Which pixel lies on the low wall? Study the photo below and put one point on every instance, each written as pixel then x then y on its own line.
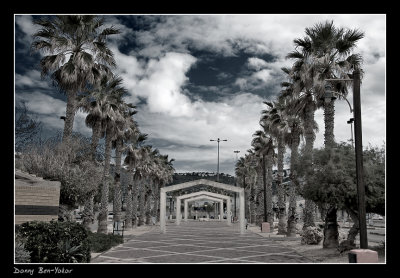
pixel 35 198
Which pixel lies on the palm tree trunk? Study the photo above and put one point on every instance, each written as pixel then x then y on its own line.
pixel 148 214
pixel 292 214
pixel 157 202
pixel 135 196
pixel 129 208
pixel 264 180
pixel 331 232
pixel 252 205
pixel 70 114
pixel 88 214
pixel 106 179
pixel 142 192
pixel 329 120
pixel 96 134
pixel 353 232
pixel 270 213
pixel 117 183
pixel 309 206
pixel 281 190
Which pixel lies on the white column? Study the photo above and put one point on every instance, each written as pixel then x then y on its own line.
pixel 221 210
pixel 178 211
pixel 186 210
pixel 241 213
pixel 163 204
pixel 228 211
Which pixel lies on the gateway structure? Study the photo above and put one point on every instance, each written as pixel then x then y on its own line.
pixel 176 187
pixel 202 197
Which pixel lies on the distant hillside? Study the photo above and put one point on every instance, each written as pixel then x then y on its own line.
pixel 185 177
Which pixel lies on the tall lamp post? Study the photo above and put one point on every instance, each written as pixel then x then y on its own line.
pixel 358 151
pixel 218 140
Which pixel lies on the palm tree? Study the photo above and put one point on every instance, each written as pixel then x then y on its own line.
pixel 328 49
pixel 274 121
pixel 93 120
pixel 123 133
pixel 305 102
pixel 264 150
pixel 133 158
pixel 295 125
pixel 331 49
pixel 79 39
pixel 245 170
pixel 165 176
pixel 109 97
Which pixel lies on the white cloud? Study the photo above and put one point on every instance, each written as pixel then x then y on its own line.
pixel 256 63
pixel 170 115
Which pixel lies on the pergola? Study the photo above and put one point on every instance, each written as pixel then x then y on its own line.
pixel 210 194
pixel 189 184
pixel 202 197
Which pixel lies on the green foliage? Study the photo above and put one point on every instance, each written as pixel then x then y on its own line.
pixel 103 242
pixel 185 177
pixel 333 178
pixel 68 162
pixel 311 235
pixel 55 242
pixel 21 254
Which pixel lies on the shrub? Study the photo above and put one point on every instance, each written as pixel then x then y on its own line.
pixel 311 235
pixel 21 254
pixel 102 242
pixel 55 242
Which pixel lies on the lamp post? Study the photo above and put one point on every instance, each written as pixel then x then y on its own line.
pixel 218 140
pixel 358 151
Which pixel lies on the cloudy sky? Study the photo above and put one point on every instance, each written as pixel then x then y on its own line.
pixel 199 77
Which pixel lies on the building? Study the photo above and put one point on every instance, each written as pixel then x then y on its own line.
pixel 35 198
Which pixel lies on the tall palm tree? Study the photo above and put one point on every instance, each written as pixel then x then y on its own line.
pixel 93 120
pixel 305 102
pixel 164 177
pixel 134 154
pixel 329 48
pixel 76 55
pixel 264 149
pixel 109 97
pixel 124 131
pixel 295 124
pixel 274 121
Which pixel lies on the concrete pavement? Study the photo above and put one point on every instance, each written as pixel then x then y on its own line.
pixel 200 243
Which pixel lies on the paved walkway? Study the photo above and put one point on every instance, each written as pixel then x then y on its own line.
pixel 200 242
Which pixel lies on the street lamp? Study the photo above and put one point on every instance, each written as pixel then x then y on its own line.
pixel 328 96
pixel 351 129
pixel 218 140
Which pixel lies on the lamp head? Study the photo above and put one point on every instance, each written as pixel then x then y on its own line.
pixel 328 94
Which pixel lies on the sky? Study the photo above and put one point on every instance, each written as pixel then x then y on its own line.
pixel 196 77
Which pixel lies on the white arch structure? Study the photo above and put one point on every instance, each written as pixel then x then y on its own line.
pixel 202 197
pixel 211 194
pixel 180 186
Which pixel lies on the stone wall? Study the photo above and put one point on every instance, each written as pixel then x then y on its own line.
pixel 35 198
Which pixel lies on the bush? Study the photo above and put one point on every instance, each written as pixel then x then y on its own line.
pixel 55 242
pixel 21 254
pixel 102 242
pixel 311 235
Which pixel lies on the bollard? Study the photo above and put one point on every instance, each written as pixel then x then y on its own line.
pixel 265 227
pixel 363 256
